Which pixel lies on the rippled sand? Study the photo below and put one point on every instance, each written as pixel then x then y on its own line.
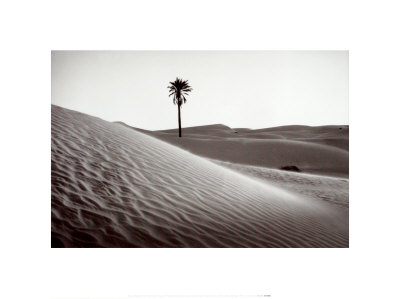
pixel 113 186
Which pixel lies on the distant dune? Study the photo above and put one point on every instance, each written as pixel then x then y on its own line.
pixel 319 150
pixel 116 186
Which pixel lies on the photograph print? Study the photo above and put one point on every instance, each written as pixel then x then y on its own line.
pixel 200 149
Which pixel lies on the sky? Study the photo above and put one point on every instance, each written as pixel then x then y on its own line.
pixel 240 89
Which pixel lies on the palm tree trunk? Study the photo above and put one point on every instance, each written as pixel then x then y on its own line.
pixel 179 119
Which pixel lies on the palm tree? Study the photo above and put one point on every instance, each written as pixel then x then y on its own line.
pixel 179 89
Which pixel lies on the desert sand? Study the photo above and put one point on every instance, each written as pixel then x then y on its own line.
pixel 118 186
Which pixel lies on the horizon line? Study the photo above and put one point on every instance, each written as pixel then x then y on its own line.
pixel 206 125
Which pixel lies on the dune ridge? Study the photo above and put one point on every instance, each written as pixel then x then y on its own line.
pixel 113 186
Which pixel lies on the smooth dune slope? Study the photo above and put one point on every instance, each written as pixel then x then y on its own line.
pixel 317 187
pixel 113 186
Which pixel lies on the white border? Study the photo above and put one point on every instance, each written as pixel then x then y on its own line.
pixel 31 29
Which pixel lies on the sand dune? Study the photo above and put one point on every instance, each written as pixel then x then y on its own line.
pixel 318 150
pixel 330 189
pixel 113 186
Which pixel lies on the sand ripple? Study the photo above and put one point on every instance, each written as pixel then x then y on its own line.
pixel 116 187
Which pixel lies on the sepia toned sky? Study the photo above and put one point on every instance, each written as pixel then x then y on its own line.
pixel 251 89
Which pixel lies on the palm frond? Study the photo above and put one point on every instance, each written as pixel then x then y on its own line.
pixel 179 89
